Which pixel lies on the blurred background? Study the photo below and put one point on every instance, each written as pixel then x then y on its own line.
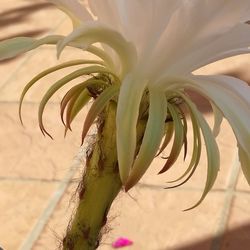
pixel 39 176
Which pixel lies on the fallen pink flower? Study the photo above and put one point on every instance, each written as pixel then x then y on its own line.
pixel 122 242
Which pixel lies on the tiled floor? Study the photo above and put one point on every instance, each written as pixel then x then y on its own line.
pixel 38 177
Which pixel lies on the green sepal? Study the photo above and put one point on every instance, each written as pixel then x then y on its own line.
pixel 213 156
pixel 15 46
pixel 49 71
pixel 97 106
pixel 178 138
pixel 56 86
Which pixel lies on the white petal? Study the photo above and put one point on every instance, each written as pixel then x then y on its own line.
pixel 196 24
pixel 106 12
pixel 244 157
pixel 126 119
pixel 152 137
pixel 231 96
pixel 15 46
pixel 94 32
pixel 127 16
pixel 76 11
pixel 234 42
pixel 213 156
pixel 151 16
pixel 218 118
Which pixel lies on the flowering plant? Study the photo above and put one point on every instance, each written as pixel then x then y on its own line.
pixel 148 52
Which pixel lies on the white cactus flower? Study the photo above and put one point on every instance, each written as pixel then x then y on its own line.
pixel 154 46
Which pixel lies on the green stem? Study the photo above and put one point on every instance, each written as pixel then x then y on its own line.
pixel 100 185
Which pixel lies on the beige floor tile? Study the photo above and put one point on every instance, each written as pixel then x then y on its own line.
pixel 242 184
pixel 238 230
pixel 153 219
pixel 20 205
pixel 27 18
pixel 55 229
pixel 8 68
pixel 26 154
pixel 65 28
pixel 160 223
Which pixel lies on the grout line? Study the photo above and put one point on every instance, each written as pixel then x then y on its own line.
pixel 52 203
pixel 30 179
pixel 140 185
pixel 27 102
pixel 229 197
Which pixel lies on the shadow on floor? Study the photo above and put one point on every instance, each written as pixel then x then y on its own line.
pixel 235 239
pixel 19 15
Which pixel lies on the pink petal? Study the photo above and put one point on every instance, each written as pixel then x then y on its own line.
pixel 122 242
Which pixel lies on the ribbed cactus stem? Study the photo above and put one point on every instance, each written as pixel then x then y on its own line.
pixel 100 185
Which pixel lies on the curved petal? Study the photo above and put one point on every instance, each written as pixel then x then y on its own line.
pixel 218 118
pixel 152 137
pixel 60 83
pixel 129 99
pixel 213 156
pixel 169 130
pixel 234 42
pixel 178 139
pixel 195 25
pixel 106 12
pixel 97 106
pixel 231 96
pixel 244 158
pixel 95 32
pixel 197 145
pixel 12 47
pixel 77 106
pixel 76 11
pixel 49 71
pixel 71 97
pixel 103 55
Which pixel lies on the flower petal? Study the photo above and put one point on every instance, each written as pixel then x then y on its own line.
pixel 213 157
pixel 169 128
pixel 194 26
pixel 97 106
pixel 236 41
pixel 129 99
pixel 218 118
pixel 73 95
pixel 12 47
pixel 77 106
pixel 60 83
pixel 76 11
pixel 49 71
pixel 102 55
pixel 178 139
pixel 196 151
pixel 152 137
pixel 96 32
pixel 244 157
pixel 231 96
